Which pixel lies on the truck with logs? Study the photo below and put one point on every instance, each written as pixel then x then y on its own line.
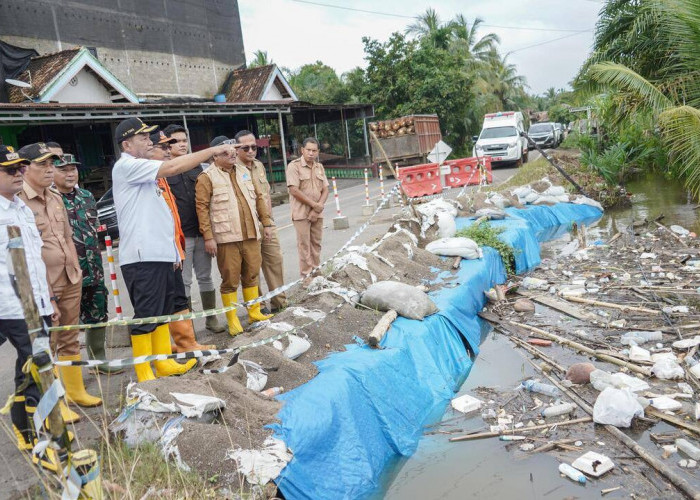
pixel 406 140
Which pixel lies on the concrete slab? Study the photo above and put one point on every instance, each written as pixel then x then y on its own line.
pixel 341 223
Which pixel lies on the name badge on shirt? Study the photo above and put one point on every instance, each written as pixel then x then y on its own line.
pixel 245 176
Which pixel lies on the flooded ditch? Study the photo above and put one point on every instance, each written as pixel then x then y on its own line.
pixel 494 469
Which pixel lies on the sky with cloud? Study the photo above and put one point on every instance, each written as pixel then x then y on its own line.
pixel 548 53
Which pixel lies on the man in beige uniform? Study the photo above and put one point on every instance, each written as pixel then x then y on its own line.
pixel 272 264
pixel 61 259
pixel 308 190
pixel 230 208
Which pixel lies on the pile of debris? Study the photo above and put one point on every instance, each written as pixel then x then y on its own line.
pixel 610 328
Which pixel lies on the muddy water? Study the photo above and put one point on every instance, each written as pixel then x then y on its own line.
pixel 488 468
pixel 653 196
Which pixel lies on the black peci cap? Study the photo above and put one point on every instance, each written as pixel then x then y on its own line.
pixel 130 127
pixel 36 152
pixel 9 157
pixel 160 138
pixel 220 140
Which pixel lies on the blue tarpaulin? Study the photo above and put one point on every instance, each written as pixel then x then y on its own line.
pixel 367 406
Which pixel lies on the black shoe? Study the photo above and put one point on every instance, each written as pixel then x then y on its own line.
pixel 265 311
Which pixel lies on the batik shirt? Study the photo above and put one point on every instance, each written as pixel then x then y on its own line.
pixel 82 213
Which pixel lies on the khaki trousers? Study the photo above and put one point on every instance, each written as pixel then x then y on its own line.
pixel 67 343
pixel 308 244
pixel 273 268
pixel 239 262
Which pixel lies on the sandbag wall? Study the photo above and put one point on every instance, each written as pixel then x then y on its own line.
pixel 366 407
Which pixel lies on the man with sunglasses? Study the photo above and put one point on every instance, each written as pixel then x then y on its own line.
pixel 231 208
pixel 272 263
pixel 82 213
pixel 13 327
pixel 62 265
pixel 182 331
pixel 196 257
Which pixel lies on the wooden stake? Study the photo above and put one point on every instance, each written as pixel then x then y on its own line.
pixel 580 347
pixel 35 325
pixel 482 435
pixel 381 327
pixel 610 305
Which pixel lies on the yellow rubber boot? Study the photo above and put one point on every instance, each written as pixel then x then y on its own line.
pixel 22 442
pixel 68 415
pixel 160 341
pixel 73 382
pixel 141 345
pixel 254 313
pixel 234 324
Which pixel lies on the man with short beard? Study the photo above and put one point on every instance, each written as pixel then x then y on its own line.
pixel 272 263
pixel 61 259
pixel 82 213
pixel 196 257
pixel 147 250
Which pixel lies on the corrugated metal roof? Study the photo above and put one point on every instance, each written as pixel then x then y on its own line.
pixel 248 85
pixel 43 70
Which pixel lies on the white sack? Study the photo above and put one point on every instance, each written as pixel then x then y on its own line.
pixel 455 247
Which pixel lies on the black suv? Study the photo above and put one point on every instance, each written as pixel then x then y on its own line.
pixel 107 217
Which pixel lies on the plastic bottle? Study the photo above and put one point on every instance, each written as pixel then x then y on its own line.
pixel 695 369
pixel 571 473
pixel 272 392
pixel 555 411
pixel 688 448
pixel 640 337
pixel 547 390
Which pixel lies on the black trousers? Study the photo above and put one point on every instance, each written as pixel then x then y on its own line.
pixel 151 287
pixel 15 331
pixel 180 300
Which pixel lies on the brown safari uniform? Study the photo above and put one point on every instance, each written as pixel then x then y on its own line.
pixel 230 208
pixel 272 263
pixel 310 180
pixel 62 268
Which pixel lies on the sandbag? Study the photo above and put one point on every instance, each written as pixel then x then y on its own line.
pixel 446 225
pixel 554 191
pixel 455 247
pixel 406 300
pixel 490 213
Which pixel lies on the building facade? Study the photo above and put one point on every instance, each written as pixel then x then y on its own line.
pixel 155 47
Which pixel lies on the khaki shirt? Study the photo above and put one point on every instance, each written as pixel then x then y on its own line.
pixel 58 251
pixel 203 194
pixel 310 180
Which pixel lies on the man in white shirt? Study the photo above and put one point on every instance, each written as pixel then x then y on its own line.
pixel 13 327
pixel 147 250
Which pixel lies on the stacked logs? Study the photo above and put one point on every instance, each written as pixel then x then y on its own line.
pixel 390 128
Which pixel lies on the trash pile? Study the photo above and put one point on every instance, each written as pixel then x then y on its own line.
pixel 610 327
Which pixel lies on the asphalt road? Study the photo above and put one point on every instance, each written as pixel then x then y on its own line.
pixel 16 474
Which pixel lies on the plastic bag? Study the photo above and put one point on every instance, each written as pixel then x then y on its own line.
pixel 667 369
pixel 256 377
pixel 446 225
pixel 616 407
pixel 406 300
pixel 455 247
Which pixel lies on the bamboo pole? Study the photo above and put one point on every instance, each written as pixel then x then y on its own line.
pixel 35 325
pixel 610 305
pixel 481 435
pixel 580 347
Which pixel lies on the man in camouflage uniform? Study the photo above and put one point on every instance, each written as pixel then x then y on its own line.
pixel 82 213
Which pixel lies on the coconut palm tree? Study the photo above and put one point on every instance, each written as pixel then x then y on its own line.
pixel 260 58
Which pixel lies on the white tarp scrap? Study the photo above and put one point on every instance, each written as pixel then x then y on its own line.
pixel 355 259
pixel 302 312
pixel 321 284
pixel 262 466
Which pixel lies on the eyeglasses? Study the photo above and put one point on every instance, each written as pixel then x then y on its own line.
pixel 12 171
pixel 248 148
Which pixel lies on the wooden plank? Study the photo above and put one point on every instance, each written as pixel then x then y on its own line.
pixel 561 306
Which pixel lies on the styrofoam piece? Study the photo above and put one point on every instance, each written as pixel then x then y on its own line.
pixel 593 464
pixel 664 403
pixel 466 403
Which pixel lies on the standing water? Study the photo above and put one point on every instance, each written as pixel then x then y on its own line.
pixel 485 468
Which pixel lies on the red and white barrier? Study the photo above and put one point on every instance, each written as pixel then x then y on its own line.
pixel 113 277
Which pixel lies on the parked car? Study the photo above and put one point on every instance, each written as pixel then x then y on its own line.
pixel 500 138
pixel 561 132
pixel 107 217
pixel 544 134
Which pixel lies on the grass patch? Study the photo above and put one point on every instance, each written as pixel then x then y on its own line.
pixel 143 471
pixel 484 234
pixel 530 172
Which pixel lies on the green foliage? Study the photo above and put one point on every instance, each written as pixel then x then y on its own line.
pixel 560 113
pixel 484 234
pixel 319 84
pixel 260 58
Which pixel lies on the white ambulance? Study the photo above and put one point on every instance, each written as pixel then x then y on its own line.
pixel 500 138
